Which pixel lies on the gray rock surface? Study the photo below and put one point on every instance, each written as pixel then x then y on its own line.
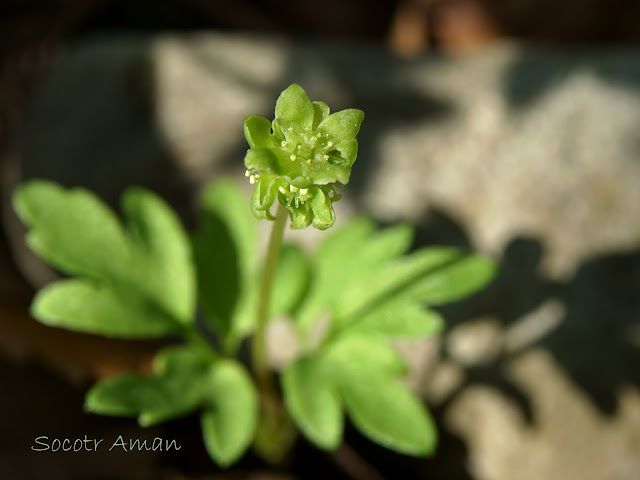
pixel 530 155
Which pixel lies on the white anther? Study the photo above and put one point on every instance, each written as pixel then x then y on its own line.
pixel 283 143
pixel 292 158
pixel 290 129
pixel 304 191
pixel 307 128
pixel 247 173
pixel 319 134
pixel 252 179
pixel 325 157
pixel 293 188
pixel 308 161
pixel 330 144
pixel 282 190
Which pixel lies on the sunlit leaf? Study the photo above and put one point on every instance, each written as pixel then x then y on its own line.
pixel 224 247
pixel 313 401
pixel 135 282
pixel 229 422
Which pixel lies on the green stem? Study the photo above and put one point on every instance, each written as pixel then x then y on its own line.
pixel 259 341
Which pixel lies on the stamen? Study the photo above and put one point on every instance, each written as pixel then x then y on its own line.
pixel 282 190
pixel 290 129
pixel 293 188
pixel 283 143
pixel 304 191
pixel 307 128
pixel 252 179
pixel 308 161
pixel 319 134
pixel 247 173
pixel 325 157
pixel 292 158
pixel 329 144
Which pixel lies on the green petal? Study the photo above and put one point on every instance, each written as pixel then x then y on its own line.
pixel 325 173
pixel 321 110
pixel 274 161
pixel 348 151
pixel 301 217
pixel 323 214
pixel 343 125
pixel 263 159
pixel 294 109
pixel 257 131
pixel 277 131
pixel 300 181
pixel 264 194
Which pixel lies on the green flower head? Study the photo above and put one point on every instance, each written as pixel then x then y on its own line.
pixel 300 158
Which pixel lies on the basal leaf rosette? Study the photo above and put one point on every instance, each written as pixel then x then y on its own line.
pixel 301 158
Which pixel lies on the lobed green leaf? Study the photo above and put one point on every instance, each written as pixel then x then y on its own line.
pixel 399 319
pixel 293 276
pixel 135 283
pixel 162 245
pixel 73 230
pixel 313 402
pixel 347 263
pixel 229 422
pixel 364 369
pixel 429 276
pixel 224 247
pixel 387 412
pixel 365 350
pixel 456 280
pixel 91 308
pixel 175 389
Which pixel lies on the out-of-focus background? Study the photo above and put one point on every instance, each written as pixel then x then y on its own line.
pixel 507 127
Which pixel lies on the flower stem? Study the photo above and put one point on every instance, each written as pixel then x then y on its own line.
pixel 259 341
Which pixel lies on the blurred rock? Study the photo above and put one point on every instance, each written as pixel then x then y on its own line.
pixel 568 438
pixel 526 154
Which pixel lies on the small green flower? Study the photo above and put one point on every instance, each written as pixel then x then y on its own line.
pixel 300 157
